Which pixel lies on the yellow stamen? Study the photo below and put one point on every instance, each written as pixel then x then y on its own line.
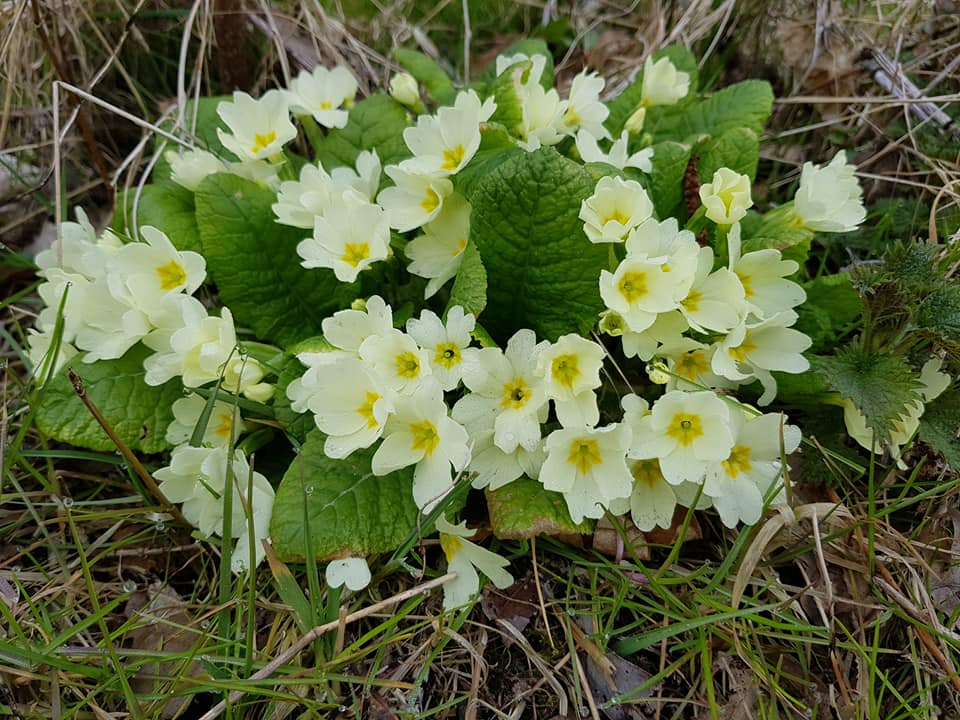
pixel 408 365
pixel 453 158
pixel 584 454
pixel 633 286
pixel 685 428
pixel 425 437
pixel 738 462
pixel 617 216
pixel 326 105
pixel 262 141
pixel 366 410
pixel 572 117
pixel 451 545
pixel 355 253
pixel 566 369
pixel 225 427
pixel 448 355
pixel 515 394
pixel 172 275
pixel 431 201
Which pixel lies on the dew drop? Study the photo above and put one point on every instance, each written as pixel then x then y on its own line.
pixel 308 489
pixel 160 527
pixel 68 502
pixel 129 586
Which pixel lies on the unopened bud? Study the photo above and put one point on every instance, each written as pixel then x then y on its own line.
pixel 404 89
pixel 634 123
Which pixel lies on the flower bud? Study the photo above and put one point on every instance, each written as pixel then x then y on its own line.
pixel 404 89
pixel 727 197
pixel 634 123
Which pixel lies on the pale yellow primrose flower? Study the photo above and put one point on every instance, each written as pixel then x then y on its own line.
pixel 716 301
pixel 727 197
pixel 505 392
pixel 197 478
pixel 638 291
pixel 352 572
pixel 445 143
pixel 446 344
pixel 762 274
pixel 223 426
pixel 39 352
pixel 615 208
pixel 676 250
pixel 584 109
pixel 686 431
pixel 571 371
pixel 350 236
pixel 414 199
pixel 652 499
pixel 589 467
pixel 662 83
pixel 347 329
pixel 258 128
pixel 932 384
pixel 539 62
pixel 404 89
pixel 438 252
pixel 493 468
pixel 830 198
pixel 465 558
pixel 143 273
pixel 421 433
pixel 321 93
pixel 197 351
pixel 618 156
pixel 667 329
pixel 399 363
pixel 189 167
pixel 739 483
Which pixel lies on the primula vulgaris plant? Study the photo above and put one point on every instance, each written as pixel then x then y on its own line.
pixel 555 300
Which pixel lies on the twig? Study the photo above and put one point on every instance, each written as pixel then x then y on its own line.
pixel 271 667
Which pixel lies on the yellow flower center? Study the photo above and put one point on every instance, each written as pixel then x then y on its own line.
pixel 451 545
pixel 355 253
pixel 461 246
pixel 584 454
pixel 225 427
pixel 692 364
pixel 745 280
pixel 453 158
pixel 738 462
pixel 172 275
pixel 685 428
pixel 425 437
pixel 408 366
pixel 431 201
pixel 515 394
pixel 448 355
pixel 326 105
pixel 740 352
pixel 262 141
pixel 692 302
pixel 617 216
pixel 633 286
pixel 647 472
pixel 726 197
pixel 566 369
pixel 572 117
pixel 366 410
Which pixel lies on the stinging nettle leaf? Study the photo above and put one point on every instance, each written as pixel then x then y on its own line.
pixel 253 261
pixel 940 427
pixel 351 511
pixel 542 271
pixel 137 412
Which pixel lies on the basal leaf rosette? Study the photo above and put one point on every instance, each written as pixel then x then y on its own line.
pixel 429 291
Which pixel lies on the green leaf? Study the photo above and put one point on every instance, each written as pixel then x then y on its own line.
pixel 940 424
pixel 470 286
pixel 737 149
pixel 832 307
pixel 428 73
pixel 495 148
pixel 746 104
pixel 939 314
pixel 542 272
pixel 254 262
pixel 137 412
pixel 880 386
pixel 670 160
pixel 351 511
pixel 624 105
pixel 376 123
pixel 524 509
pixel 505 90
pixel 167 207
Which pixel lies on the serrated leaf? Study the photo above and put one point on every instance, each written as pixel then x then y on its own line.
pixel 737 149
pixel 880 386
pixel 470 286
pixel 670 160
pixel 831 308
pixel 940 425
pixel 428 73
pixel 137 412
pixel 376 123
pixel 542 271
pixel 939 314
pixel 524 509
pixel 254 262
pixel 351 511
pixel 623 106
pixel 746 104
pixel 167 207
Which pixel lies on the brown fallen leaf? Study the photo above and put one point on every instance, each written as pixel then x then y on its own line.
pixel 610 676
pixel 945 583
pixel 517 604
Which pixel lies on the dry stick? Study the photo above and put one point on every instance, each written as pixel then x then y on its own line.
pixel 127 453
pixel 268 669
pixel 536 581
